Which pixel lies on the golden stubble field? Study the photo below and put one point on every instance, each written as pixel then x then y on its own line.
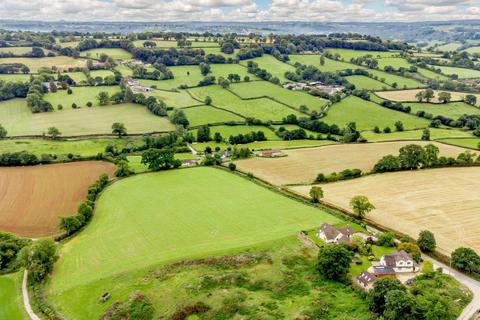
pixel 445 201
pixel 301 166
pixel 409 95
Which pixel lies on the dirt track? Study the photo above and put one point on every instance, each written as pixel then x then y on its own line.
pixel 32 198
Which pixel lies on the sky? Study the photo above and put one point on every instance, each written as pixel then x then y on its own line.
pixel 240 10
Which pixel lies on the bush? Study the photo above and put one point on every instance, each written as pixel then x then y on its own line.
pixel 89 104
pixel 69 91
pixel 465 259
pixel 386 239
pixel 232 166
pixel 334 262
pixel 426 241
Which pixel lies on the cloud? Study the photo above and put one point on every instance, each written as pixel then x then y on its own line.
pixel 240 10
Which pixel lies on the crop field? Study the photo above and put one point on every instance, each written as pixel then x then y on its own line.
pixel 176 99
pixel 367 83
pixel 396 63
pixel 367 115
pixel 445 201
pixel 275 67
pixel 263 108
pixel 86 148
pixel 347 54
pixel 452 110
pixel 115 53
pixel 402 82
pixel 227 131
pixel 80 96
pixel 15 77
pixel 409 95
pixel 314 60
pixel 292 98
pixel 20 121
pixel 462 73
pixel 473 143
pixel 34 64
pixel 202 115
pixel 435 133
pixel 11 307
pixel 35 197
pixel 130 231
pixel 303 165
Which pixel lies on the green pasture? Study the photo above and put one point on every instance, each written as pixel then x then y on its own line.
pixel 101 73
pixel 462 73
pixel 275 67
pixel 115 53
pixel 69 44
pixel 19 120
pixel 11 307
pixel 80 96
pixel 176 99
pixel 295 127
pixel 314 60
pixel 347 54
pixel 203 115
pixel 265 145
pixel 136 226
pixel 216 50
pixel 472 50
pixel 367 83
pixel 227 131
pixel 367 115
pixel 159 43
pixel 473 143
pixel 393 62
pixel 435 133
pixel 34 64
pixel 402 82
pixel 452 110
pixel 17 77
pixel 124 70
pixel 19 50
pixel 78 77
pixel 263 108
pixel 292 98
pixel 452 46
pixel 84 148
pixel 430 74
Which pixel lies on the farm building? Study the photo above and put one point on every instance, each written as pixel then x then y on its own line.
pixel 271 153
pixel 329 234
pixel 189 163
pixel 365 280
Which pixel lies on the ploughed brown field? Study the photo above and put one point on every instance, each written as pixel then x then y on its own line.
pixel 445 201
pixel 33 198
pixel 303 165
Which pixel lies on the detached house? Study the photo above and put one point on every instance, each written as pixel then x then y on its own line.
pixel 329 234
pixel 394 263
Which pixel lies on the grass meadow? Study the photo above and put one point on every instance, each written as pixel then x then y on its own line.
pixel 124 70
pixel 263 108
pixel 367 83
pixel 77 76
pixel 435 133
pixel 17 77
pixel 452 110
pixel 472 143
pixel 11 307
pixel 203 115
pixel 20 121
pixel 347 54
pixel 80 96
pixel 314 60
pixel 275 67
pixel 176 99
pixel 34 64
pixel 367 115
pixel 18 50
pixel 115 53
pixel 227 131
pixel 130 231
pixel 462 73
pixel 402 82
pixel 396 63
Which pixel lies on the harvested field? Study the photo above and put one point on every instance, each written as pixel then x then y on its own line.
pixel 445 201
pixel 303 165
pixel 409 95
pixel 34 64
pixel 33 198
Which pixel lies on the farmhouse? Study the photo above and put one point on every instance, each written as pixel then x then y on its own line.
pixel 365 280
pixel 395 263
pixel 271 153
pixel 189 163
pixel 135 86
pixel 329 234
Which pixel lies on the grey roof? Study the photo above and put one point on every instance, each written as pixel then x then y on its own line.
pixel 331 232
pixel 392 259
pixel 366 277
pixel 347 230
pixel 382 270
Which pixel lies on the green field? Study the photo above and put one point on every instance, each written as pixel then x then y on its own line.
pixel 101 73
pixel 292 98
pixel 435 133
pixel 402 82
pixel 69 44
pixel 19 50
pixel 19 120
pixel 135 162
pixel 367 115
pixel 314 60
pixel 265 145
pixel 85 148
pixel 462 73
pixel 209 115
pixel 34 64
pixel 17 77
pixel 11 297
pixel 80 96
pixel 473 143
pixel 178 99
pixel 227 131
pixel 115 53
pixel 216 50
pixel 430 74
pixel 78 77
pixel 347 54
pixel 275 67
pixel 452 110
pixel 452 46
pixel 160 44
pixel 124 70
pixel 263 108
pixel 367 83
pixel 473 50
pixel 136 226
pixel 396 63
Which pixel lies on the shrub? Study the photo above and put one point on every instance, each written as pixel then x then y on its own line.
pixel 386 239
pixel 89 104
pixel 69 91
pixel 334 262
pixel 466 259
pixel 232 166
pixel 74 106
pixel 426 241
pixel 59 107
pixel 387 130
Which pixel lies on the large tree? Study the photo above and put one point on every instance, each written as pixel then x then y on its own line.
pixel 316 193
pixel 401 305
pixel 412 249
pixel 119 129
pixel 3 132
pixel 411 156
pixel 466 259
pixel 361 206
pixel 103 98
pixel 334 262
pixel 53 132
pixel 377 295
pixel 426 241
pixel 157 159
pixel 38 258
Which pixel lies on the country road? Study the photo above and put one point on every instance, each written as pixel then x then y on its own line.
pixel 26 300
pixel 472 284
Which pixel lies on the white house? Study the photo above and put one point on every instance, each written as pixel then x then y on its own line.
pixel 399 262
pixel 329 234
